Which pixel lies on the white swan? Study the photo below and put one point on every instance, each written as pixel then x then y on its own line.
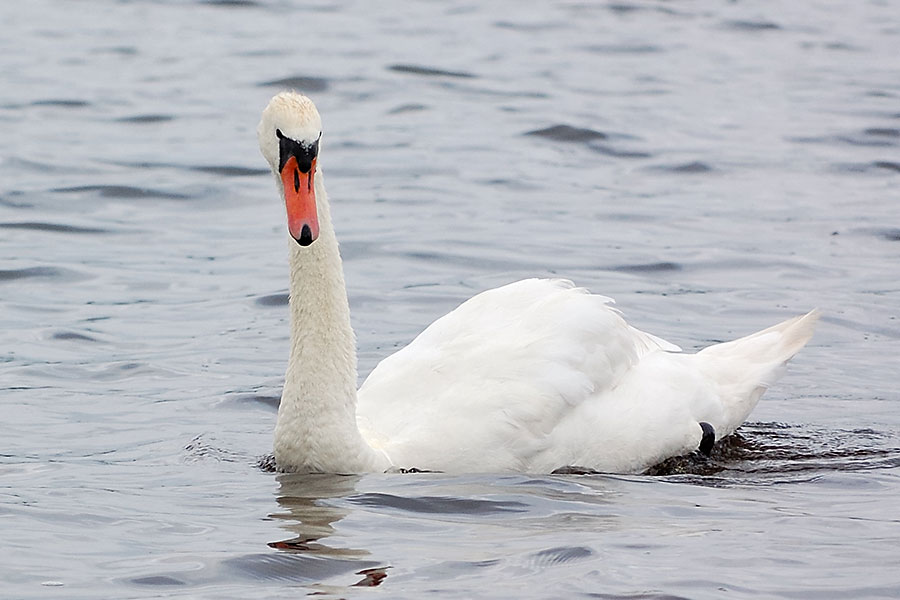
pixel 531 377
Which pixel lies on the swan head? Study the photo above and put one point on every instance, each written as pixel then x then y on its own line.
pixel 289 134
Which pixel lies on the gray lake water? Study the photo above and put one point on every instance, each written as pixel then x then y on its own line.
pixel 714 166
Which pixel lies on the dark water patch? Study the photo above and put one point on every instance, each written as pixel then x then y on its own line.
pixel 303 83
pixel 864 139
pixel 640 595
pixel 657 267
pixel 229 171
pixel 467 566
pixel 57 274
pixel 202 449
pixel 231 3
pixel 29 273
pixel 122 191
pixel 53 228
pixel 120 50
pixel 472 262
pixel 273 300
pixel 146 119
pixel 220 170
pixel 438 504
pixel 841 46
pixel 621 8
pixel 616 153
pixel 61 103
pixel 256 400
pixel 742 25
pixel 513 184
pixel 808 139
pixel 873 137
pixel 555 556
pixel 293 567
pixel 890 234
pixel 528 27
pixel 863 326
pixel 472 91
pixel 429 71
pixel 852 167
pixel 568 133
pixel 888 165
pixel 5 201
pixel 779 449
pixel 858 141
pixel 17 163
pixel 157 580
pixel 71 336
pixel 575 470
pixel 407 108
pixel 630 217
pixel 876 166
pixel 624 49
pixel 690 168
pixel 887 132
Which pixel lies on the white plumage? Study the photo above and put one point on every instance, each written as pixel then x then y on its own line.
pixel 529 377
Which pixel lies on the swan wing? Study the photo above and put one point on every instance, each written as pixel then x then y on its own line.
pixel 484 387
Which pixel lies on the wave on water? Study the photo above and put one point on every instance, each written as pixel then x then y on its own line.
pixel 759 450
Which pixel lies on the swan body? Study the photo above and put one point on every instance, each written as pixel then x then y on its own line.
pixel 529 377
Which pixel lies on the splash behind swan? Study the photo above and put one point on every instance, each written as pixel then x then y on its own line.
pixel 530 377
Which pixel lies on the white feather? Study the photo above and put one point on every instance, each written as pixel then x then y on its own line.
pixel 532 376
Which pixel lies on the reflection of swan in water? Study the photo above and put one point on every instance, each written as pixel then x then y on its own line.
pixel 309 516
pixel 307 512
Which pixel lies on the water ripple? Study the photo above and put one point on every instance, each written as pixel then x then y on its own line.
pixel 429 71
pixel 53 228
pixel 563 554
pixel 122 191
pixel 303 83
pixel 146 119
pixel 568 133
pixel 441 505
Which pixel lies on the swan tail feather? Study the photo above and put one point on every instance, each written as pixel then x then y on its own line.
pixel 744 368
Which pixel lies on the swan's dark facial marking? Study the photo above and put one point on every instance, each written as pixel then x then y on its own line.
pixel 304 152
pixel 708 439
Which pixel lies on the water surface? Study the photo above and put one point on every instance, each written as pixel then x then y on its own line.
pixel 714 167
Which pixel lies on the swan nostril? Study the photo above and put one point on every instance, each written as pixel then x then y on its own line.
pixel 306 237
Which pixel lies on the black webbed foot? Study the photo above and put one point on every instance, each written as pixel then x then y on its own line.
pixel 708 440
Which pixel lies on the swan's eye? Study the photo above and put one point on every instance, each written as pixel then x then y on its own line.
pixel 278 134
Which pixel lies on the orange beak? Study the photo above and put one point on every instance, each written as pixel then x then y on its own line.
pixel 300 200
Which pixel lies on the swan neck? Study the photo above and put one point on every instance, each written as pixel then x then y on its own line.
pixel 316 429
